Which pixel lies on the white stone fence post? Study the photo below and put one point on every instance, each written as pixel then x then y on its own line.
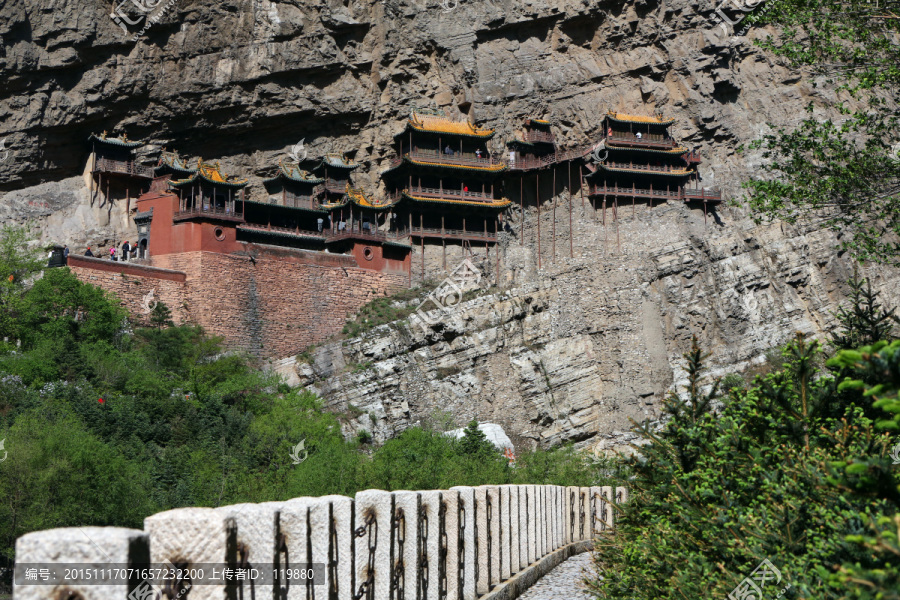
pixel 459 544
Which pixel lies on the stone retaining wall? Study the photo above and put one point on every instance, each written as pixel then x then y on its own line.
pixel 454 544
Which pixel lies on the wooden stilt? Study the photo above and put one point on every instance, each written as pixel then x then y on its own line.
pixel 443 243
pixel 704 213
pixel 422 237
pixel 571 233
pixel 497 249
pixel 553 199
pixel 537 178
pixel 581 186
pixel 522 210
pixel 616 219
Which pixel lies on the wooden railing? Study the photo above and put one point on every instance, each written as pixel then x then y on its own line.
pixel 451 194
pixel 538 136
pixel 644 167
pixel 437 232
pixel 127 167
pixel 228 213
pixel 645 141
pixel 286 230
pixel 702 194
pixel 463 159
pixel 333 185
pixel 677 194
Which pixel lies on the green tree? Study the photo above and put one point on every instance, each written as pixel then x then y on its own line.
pixel 771 477
pixel 160 315
pixel 846 172
pixel 19 263
pixel 865 321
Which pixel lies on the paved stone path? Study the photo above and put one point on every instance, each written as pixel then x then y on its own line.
pixel 564 582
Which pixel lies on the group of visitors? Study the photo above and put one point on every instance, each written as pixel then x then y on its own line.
pixel 128 251
pixel 450 152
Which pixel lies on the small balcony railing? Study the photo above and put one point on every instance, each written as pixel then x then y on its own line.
pixel 645 167
pixel 125 167
pixel 451 194
pixel 228 213
pixel 462 159
pixel 437 232
pixel 647 140
pixel 539 136
pixel 702 194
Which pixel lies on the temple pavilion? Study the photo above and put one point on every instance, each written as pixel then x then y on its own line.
pixel 643 161
pixel 112 169
pixel 445 182
pixel 534 147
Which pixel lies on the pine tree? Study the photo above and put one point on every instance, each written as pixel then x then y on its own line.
pixel 161 316
pixel 474 442
pixel 864 321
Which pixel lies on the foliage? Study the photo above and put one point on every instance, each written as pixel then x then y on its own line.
pixel 386 310
pixel 106 423
pixel 845 172
pixel 18 265
pixel 160 315
pixel 865 321
pixel 791 470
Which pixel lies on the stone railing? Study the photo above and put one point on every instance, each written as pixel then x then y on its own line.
pixel 457 544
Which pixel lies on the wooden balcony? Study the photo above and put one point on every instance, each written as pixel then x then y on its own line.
pixel 450 194
pixel 686 194
pixel 457 159
pixel 538 136
pixel 710 195
pixel 677 170
pixel 336 186
pixel 122 167
pixel 452 234
pixel 647 140
pixel 210 212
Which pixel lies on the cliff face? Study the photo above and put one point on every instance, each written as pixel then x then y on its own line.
pixel 567 352
pixel 576 350
pixel 244 80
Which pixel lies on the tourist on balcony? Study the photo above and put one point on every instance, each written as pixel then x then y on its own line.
pixel 342 225
pixel 366 226
pixel 638 135
pixel 88 252
pixel 319 222
pixel 126 248
pixel 112 253
pixel 448 150
pixel 478 153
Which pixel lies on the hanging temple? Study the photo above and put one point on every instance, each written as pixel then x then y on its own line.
pixel 445 185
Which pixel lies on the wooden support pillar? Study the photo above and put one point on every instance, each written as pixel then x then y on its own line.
pixel 443 243
pixel 497 249
pixel 522 210
pixel 704 213
pixel 553 199
pixel 616 219
pixel 485 239
pixel 581 184
pixel 537 179
pixel 422 237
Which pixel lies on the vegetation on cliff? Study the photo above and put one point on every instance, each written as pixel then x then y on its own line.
pixel 797 470
pixel 845 171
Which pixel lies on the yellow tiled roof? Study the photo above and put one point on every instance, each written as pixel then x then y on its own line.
pixel 444 125
pixel 639 118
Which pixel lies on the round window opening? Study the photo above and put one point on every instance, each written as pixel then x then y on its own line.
pixel 367 252
pixel 220 235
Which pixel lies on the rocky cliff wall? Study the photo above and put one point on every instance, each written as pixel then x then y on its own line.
pixel 567 352
pixel 574 351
